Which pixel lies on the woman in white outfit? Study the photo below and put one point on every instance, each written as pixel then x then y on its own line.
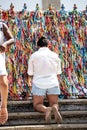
pixel 6 39
pixel 44 66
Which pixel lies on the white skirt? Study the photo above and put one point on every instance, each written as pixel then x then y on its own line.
pixel 2 64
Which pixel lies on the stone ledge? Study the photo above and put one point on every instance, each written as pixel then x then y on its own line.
pixel 36 114
pixel 48 127
pixel 63 101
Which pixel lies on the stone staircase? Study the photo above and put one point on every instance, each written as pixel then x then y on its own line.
pixel 23 117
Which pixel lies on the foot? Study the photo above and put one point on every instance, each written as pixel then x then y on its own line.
pixel 48 114
pixel 3 115
pixel 58 117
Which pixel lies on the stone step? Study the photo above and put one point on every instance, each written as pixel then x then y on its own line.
pixel 23 117
pixel 39 114
pixel 37 118
pixel 64 105
pixel 61 101
pixel 48 127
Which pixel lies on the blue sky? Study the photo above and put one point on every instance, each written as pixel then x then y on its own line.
pixel 31 4
pixel 81 4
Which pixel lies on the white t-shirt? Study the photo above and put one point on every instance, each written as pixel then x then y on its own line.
pixel 44 65
pixel 2 55
pixel 1 34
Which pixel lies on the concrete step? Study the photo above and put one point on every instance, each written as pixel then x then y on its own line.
pixel 61 101
pixel 37 118
pixel 64 105
pixel 48 127
pixel 23 117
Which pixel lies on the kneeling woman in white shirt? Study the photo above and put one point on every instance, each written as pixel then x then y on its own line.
pixel 44 66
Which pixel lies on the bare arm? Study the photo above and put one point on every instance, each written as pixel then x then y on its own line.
pixel 8 36
pixel 30 81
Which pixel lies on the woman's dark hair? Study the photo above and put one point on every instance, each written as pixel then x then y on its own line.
pixel 42 42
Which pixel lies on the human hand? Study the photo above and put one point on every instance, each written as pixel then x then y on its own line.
pixel 3 115
pixel 30 88
pixel 30 82
pixel 2 48
pixel 30 85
